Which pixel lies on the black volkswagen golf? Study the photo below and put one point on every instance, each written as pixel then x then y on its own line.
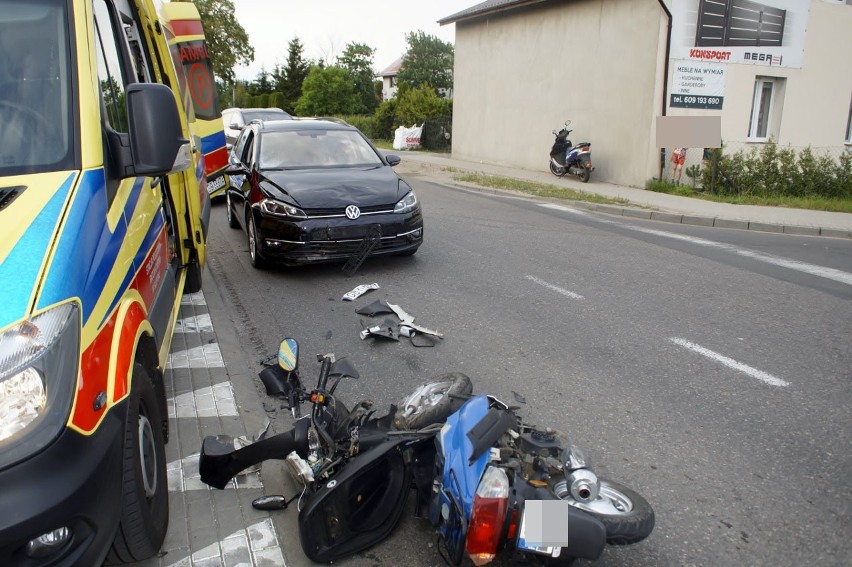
pixel 309 191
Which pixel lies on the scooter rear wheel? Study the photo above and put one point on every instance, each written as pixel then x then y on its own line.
pixel 626 515
pixel 585 175
pixel 433 402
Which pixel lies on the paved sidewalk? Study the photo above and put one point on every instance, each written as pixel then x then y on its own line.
pixel 207 527
pixel 650 204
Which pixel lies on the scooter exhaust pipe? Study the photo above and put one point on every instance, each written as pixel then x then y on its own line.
pixel 581 485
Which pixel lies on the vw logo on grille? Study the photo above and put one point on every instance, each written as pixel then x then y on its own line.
pixel 353 212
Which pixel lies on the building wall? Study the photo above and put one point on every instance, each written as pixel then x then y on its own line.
pixel 516 81
pixel 520 75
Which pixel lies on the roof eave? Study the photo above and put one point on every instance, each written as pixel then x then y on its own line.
pixel 456 18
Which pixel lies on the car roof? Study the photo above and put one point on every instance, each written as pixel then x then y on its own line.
pixel 303 124
pixel 271 109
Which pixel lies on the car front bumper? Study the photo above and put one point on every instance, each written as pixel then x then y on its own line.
pixel 336 239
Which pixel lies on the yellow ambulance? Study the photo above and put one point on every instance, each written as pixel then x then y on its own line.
pixel 109 128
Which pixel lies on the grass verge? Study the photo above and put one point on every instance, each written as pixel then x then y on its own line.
pixel 812 203
pixel 536 189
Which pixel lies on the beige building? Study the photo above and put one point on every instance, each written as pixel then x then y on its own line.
pixel 779 70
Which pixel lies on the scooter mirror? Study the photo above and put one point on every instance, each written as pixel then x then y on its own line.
pixel 288 355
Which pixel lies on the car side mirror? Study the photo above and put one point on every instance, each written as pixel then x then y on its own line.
pixel 393 159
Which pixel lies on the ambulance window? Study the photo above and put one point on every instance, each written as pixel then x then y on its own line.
pixel 36 122
pixel 110 73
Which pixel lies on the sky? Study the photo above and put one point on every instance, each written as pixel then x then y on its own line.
pixel 326 26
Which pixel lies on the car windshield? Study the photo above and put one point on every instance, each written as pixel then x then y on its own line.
pixel 299 149
pixel 35 87
pixel 250 115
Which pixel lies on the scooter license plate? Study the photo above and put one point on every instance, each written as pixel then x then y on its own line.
pixel 524 545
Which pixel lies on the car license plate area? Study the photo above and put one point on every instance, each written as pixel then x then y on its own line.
pixel 524 545
pixel 216 184
pixel 351 232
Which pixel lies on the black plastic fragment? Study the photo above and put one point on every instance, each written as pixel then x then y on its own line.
pixel 378 307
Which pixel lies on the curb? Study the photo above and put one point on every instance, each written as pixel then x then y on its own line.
pixel 657 215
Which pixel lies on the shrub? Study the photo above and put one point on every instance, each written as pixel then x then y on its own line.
pixel 384 116
pixel 774 172
pixel 367 124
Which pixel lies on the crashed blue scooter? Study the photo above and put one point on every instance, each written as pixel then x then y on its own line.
pixel 504 486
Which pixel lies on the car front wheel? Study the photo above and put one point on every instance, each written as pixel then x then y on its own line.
pixel 257 260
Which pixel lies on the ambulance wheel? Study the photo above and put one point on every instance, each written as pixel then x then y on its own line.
pixel 145 491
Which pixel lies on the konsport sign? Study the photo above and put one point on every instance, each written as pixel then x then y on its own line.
pixel 770 32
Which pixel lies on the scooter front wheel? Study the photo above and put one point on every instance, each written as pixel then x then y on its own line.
pixel 433 402
pixel 626 515
pixel 556 170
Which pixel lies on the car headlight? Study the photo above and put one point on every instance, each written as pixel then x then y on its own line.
pixel 406 204
pixel 39 364
pixel 277 208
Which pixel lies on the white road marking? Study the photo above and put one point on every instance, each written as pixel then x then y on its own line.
pixel 730 363
pixel 255 545
pixel 813 269
pixel 196 298
pixel 196 324
pixel 557 289
pixel 183 476
pixel 212 401
pixel 204 356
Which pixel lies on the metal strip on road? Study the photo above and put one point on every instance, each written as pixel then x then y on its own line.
pixel 557 289
pixel 812 269
pixel 730 363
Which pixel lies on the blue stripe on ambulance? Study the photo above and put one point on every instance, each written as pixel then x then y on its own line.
pixel 212 142
pixel 19 270
pixel 84 257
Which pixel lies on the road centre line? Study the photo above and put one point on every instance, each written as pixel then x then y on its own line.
pixel 814 270
pixel 730 363
pixel 564 292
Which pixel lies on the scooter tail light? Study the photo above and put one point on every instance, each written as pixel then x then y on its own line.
pixel 488 516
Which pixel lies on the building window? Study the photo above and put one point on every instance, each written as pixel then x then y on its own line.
pixel 761 126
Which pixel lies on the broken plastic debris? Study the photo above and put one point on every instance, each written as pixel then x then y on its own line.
pixel 387 329
pixel 400 312
pixel 425 330
pixel 359 291
pixel 378 307
pixel 406 331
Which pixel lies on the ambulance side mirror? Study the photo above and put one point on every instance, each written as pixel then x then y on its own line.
pixel 157 144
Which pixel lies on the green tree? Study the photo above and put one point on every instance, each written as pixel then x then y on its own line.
pixel 327 91
pixel 357 58
pixel 428 60
pixel 227 41
pixel 288 79
pixel 417 104
pixel 263 84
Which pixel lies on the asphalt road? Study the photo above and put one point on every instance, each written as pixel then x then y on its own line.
pixel 708 369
